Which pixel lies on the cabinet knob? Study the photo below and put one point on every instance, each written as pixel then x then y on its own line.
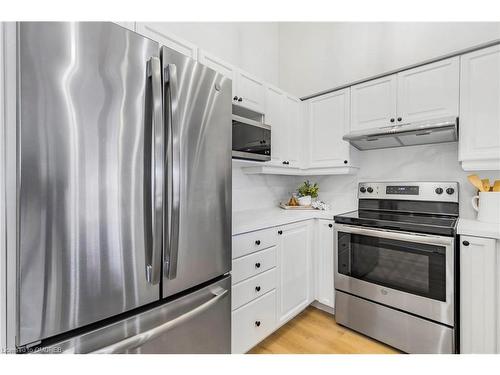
pixel 399 119
pixel 345 161
pixel 257 323
pixel 466 243
pixel 257 242
pixel 257 265
pixel 257 288
pixel 330 225
pixel 240 99
pixel 280 232
pixel 235 98
pixel 392 120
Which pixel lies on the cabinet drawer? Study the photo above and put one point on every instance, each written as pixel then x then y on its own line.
pixel 253 288
pixel 247 243
pixel 253 322
pixel 253 264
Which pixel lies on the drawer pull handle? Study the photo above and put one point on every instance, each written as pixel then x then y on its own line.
pixel 466 243
pixel 257 265
pixel 257 242
pixel 330 225
pixel 280 232
pixel 257 288
pixel 257 323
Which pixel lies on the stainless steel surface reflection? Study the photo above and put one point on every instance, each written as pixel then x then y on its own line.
pixel 82 204
pixel 197 233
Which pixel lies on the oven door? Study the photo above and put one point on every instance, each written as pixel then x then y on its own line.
pixel 410 272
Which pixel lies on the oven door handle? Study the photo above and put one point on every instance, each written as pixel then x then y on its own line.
pixel 407 237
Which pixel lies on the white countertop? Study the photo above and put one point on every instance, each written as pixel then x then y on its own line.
pixel 478 229
pixel 250 220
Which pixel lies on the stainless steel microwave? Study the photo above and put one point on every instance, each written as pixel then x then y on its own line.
pixel 251 139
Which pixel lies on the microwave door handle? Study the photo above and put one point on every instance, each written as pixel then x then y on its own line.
pixel 173 167
pixel 154 194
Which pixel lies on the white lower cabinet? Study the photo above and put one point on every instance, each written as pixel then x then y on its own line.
pixel 324 263
pixel 479 295
pixel 267 296
pixel 294 270
pixel 253 322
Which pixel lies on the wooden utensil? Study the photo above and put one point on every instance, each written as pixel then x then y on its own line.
pixel 496 186
pixel 486 184
pixel 476 181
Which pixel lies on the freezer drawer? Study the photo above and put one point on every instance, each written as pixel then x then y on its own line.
pixel 196 323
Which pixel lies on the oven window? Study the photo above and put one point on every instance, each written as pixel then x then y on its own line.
pixel 407 266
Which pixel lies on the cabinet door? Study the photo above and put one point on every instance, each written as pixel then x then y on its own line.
pixel 294 262
pixel 328 123
pixel 158 31
pixel 251 91
pixel 478 299
pixel 479 139
pixel 429 91
pixel 294 136
pixel 373 103
pixel 275 116
pixel 324 251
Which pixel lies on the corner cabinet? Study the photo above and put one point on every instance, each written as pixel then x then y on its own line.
pixel 328 122
pixel 294 270
pixel 479 295
pixel 479 138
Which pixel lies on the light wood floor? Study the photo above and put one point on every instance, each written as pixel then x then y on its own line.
pixel 316 332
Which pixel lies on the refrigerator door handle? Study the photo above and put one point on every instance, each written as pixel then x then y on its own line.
pixel 153 268
pixel 138 340
pixel 171 89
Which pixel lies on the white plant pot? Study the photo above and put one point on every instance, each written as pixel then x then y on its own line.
pixel 305 201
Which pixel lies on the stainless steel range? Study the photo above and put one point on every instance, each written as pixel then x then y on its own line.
pixel 395 276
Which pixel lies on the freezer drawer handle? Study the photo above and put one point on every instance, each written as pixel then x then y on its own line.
pixel 141 339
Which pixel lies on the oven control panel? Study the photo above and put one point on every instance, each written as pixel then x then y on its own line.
pixel 423 191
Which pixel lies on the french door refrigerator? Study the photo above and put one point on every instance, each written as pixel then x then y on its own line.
pixel 124 194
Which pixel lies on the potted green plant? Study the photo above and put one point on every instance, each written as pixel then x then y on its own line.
pixel 307 192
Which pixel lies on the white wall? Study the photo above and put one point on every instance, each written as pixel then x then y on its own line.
pixel 319 56
pixel 252 46
pixel 252 192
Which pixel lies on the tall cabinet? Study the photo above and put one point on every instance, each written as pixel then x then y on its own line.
pixel 479 295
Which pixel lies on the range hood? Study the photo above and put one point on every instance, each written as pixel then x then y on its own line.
pixel 418 133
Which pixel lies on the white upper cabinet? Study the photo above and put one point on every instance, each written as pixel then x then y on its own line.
pixel 479 137
pixel 159 32
pixel 275 117
pixel 429 91
pixel 373 103
pixel 294 125
pixel 328 122
pixel 249 91
pixel 294 270
pixel 324 263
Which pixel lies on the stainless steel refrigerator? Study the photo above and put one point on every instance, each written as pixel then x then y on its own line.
pixel 124 194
